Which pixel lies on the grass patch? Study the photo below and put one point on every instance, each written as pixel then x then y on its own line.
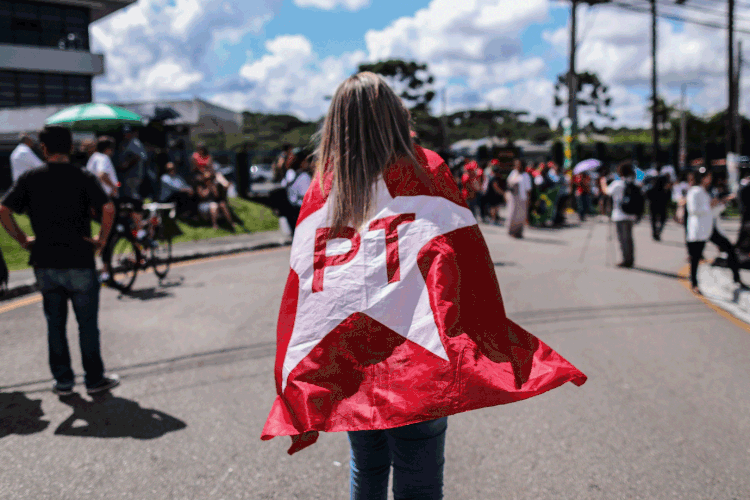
pixel 255 218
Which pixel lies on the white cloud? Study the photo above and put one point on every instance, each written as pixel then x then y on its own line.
pixel 170 77
pixel 478 30
pixel 351 5
pixel 616 44
pixel 290 78
pixel 158 48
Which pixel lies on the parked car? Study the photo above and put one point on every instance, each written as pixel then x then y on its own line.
pixel 261 173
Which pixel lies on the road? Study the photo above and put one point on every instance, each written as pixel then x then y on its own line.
pixel 665 413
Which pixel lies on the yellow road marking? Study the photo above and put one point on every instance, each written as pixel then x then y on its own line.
pixel 37 297
pixel 684 272
pixel 26 301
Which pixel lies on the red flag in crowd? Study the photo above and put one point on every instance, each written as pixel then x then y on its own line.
pixel 401 321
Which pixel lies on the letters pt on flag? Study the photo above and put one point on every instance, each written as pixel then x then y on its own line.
pixel 401 320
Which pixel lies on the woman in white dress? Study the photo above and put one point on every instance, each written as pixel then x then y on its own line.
pixel 519 186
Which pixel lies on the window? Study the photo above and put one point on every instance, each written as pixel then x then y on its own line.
pixel 29 89
pixel 8 87
pixel 79 89
pixel 52 25
pixel 54 89
pixel 46 25
pixel 6 21
pixel 37 89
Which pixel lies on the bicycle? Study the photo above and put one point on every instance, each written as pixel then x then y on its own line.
pixel 124 254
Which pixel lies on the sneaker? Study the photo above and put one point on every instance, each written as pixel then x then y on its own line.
pixel 62 390
pixel 105 384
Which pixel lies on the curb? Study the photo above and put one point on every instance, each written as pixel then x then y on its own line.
pixel 30 286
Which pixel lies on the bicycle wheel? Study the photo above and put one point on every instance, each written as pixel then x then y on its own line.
pixel 161 252
pixel 124 263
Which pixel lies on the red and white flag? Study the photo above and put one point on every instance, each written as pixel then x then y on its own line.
pixel 401 321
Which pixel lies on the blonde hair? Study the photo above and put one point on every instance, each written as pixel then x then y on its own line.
pixel 366 130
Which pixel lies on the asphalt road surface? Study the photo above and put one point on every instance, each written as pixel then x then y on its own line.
pixel 665 413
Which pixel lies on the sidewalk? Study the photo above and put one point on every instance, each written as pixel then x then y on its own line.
pixel 23 282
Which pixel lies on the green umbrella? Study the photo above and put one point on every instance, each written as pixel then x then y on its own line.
pixel 94 117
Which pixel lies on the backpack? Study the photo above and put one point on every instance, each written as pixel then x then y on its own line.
pixel 633 201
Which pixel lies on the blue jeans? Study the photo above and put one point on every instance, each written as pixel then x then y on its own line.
pixel 417 452
pixel 81 286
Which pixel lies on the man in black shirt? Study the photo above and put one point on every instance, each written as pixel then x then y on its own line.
pixel 59 198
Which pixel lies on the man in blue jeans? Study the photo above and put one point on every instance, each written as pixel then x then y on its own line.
pixel 417 453
pixel 58 198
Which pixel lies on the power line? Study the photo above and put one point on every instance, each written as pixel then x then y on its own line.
pixel 702 8
pixel 674 17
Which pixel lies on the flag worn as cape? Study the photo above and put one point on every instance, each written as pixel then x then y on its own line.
pixel 400 321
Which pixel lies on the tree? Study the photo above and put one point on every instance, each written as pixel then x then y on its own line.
pixel 590 93
pixel 665 113
pixel 541 122
pixel 409 79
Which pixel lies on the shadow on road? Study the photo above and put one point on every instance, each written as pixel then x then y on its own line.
pixel 145 294
pixel 657 272
pixel 504 264
pixel 110 416
pixel 20 415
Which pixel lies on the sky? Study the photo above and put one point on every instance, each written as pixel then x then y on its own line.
pixel 287 56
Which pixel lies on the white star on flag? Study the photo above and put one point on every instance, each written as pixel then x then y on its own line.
pixel 364 283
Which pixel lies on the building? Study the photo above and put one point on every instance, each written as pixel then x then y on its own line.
pixel 45 53
pixel 45 61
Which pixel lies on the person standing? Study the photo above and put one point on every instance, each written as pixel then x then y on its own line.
pixel 519 187
pixel 703 212
pixel 623 221
pixel 352 368
pixel 743 197
pixel 59 198
pixel 132 168
pixel 23 158
pixel 658 197
pixel 583 191
pixel 100 164
pixel 471 181
pixel 298 186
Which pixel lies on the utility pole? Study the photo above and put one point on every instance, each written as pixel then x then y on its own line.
pixel 737 112
pixel 444 119
pixel 683 129
pixel 654 95
pixel 730 73
pixel 572 77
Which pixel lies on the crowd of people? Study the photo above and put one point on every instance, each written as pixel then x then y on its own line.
pixel 532 193
pixel 541 195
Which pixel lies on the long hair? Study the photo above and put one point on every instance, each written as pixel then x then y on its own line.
pixel 366 130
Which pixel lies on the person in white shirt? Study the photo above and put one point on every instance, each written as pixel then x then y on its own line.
pixel 100 164
pixel 703 212
pixel 623 221
pixel 519 187
pixel 23 157
pixel 297 187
